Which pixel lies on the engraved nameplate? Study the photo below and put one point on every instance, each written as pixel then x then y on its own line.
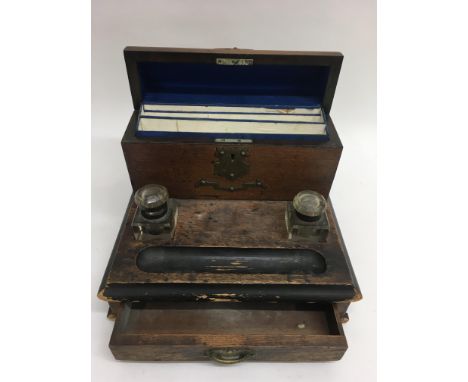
pixel 234 61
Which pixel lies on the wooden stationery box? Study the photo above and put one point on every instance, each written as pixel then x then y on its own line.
pixel 243 165
pixel 233 135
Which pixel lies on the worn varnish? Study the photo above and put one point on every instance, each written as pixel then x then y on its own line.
pixel 283 169
pixel 200 332
pixel 220 298
pixel 178 259
pixel 233 224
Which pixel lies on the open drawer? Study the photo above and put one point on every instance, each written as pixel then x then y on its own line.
pixel 227 332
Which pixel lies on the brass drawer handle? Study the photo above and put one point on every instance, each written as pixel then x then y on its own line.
pixel 229 356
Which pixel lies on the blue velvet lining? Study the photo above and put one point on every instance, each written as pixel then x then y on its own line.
pixel 253 137
pixel 272 86
pixel 250 85
pixel 222 112
pixel 199 99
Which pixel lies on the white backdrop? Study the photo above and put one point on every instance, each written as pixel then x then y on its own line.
pixel 337 25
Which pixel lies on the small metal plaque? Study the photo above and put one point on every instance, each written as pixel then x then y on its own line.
pixel 232 140
pixel 234 61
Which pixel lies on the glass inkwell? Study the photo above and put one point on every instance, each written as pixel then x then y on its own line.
pixel 306 217
pixel 156 213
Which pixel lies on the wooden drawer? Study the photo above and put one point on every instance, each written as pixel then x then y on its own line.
pixel 228 332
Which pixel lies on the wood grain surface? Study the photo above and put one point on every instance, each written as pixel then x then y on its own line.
pixel 180 332
pixel 283 168
pixel 234 224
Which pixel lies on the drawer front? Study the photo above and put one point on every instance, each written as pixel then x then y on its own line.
pixel 228 332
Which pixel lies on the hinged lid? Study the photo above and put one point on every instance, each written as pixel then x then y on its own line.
pixel 232 77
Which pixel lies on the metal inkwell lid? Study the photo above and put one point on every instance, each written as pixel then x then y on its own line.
pixel 310 204
pixel 151 196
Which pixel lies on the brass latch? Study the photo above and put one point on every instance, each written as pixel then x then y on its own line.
pixel 231 162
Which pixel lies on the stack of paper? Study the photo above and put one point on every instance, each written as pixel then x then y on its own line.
pixel 231 120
